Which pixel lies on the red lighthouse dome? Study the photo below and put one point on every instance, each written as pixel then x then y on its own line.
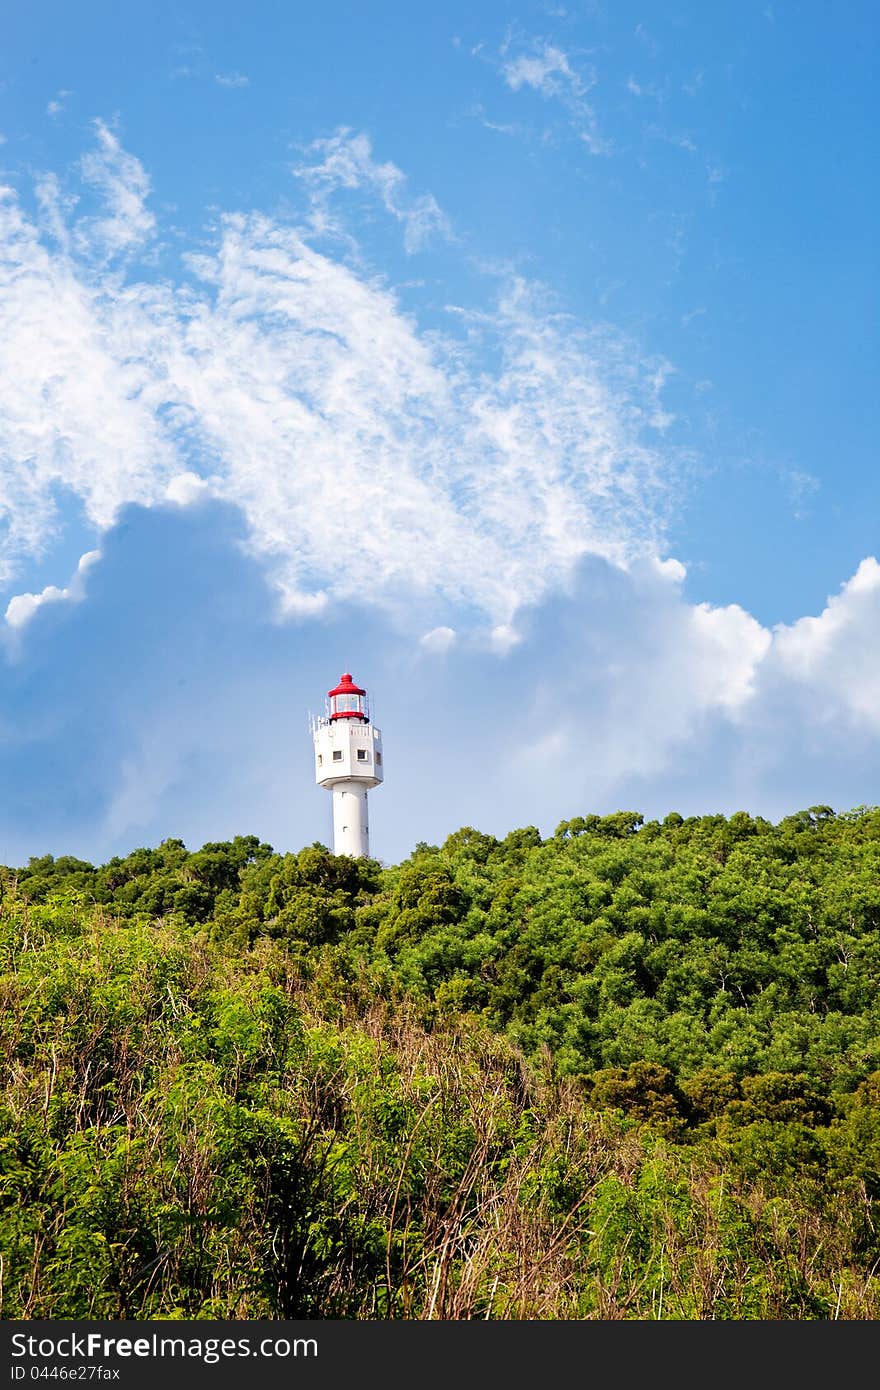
pixel 347 700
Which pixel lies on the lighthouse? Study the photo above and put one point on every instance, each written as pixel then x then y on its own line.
pixel 348 762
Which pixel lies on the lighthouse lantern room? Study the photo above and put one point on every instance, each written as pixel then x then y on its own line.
pixel 347 700
pixel 348 763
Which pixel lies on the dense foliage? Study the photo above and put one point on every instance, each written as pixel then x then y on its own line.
pixel 629 1071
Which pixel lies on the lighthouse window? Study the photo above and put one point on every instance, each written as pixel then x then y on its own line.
pixel 337 755
pixel 379 759
pixel 363 755
pixel 350 703
pixel 320 759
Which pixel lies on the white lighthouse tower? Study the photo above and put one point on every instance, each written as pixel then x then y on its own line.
pixel 348 762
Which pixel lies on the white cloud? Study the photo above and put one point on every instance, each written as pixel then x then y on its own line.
pixel 503 638
pixel 438 640
pixel 345 161
pixel 548 70
pixel 728 646
pixel 231 79
pixel 465 477
pixel 500 127
pixel 670 568
pixel 639 684
pixel 628 694
pixel 78 407
pixel 801 487
pixel 680 139
pixel 124 187
pixel 22 607
pixel 646 89
pixel 153 768
pixel 369 459
pixel 661 671
pixel 56 105
pixel 833 660
pixel 645 38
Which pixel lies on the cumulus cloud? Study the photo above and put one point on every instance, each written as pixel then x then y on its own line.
pixel 833 660
pixel 472 468
pixel 22 607
pixel 680 139
pixel 345 161
pixel 726 647
pixel 56 105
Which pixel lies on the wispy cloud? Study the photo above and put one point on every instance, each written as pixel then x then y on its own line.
pixel 500 490
pixel 231 79
pixel 501 127
pixel 345 161
pixel 484 462
pixel 57 104
pixel 548 70
pixel 122 183
pixel 22 607
pixel 801 487
pixel 680 139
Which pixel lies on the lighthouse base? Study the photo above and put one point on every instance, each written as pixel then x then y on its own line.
pixel 351 828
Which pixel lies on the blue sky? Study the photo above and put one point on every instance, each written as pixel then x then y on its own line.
pixel 521 359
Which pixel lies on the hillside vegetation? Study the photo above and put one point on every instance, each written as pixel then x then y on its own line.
pixel 629 1071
